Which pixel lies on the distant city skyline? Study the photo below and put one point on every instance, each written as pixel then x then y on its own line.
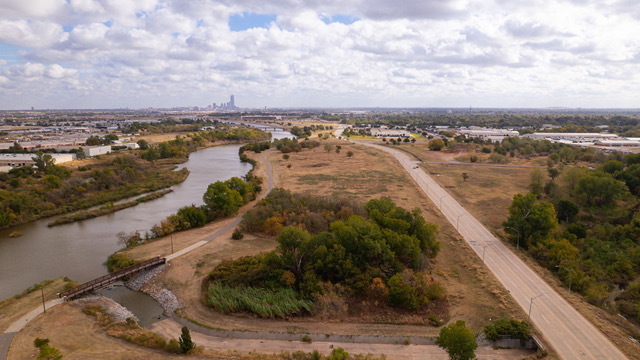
pixel 88 54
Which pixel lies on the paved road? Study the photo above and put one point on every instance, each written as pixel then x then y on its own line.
pixel 570 334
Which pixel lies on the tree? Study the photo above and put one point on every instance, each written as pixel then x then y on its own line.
pixel 600 189
pixel 458 341
pixel 553 172
pixel 293 246
pixel 43 161
pixel 143 144
pixel 349 153
pixel 436 144
pixel 465 176
pixel 566 210
pixel 529 220
pixel 222 200
pixel 536 186
pixel 93 141
pixel 612 166
pixel 186 344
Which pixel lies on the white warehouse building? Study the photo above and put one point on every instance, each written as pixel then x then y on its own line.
pixel 96 150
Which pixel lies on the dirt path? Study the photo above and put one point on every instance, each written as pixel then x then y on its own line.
pixel 171 329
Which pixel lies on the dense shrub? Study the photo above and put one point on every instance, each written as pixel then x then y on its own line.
pixel 508 328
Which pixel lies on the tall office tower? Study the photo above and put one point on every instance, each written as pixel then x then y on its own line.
pixel 232 103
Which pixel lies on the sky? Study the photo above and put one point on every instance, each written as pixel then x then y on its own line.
pixel 83 54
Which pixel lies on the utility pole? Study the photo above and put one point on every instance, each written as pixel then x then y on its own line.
pixel 570 277
pixel 531 303
pixel 44 309
pixel 172 244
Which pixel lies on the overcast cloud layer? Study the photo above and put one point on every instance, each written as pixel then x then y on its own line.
pixel 410 53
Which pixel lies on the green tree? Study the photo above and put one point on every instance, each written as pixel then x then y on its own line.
pixel 43 161
pixel 553 172
pixel 465 176
pixel 143 144
pixel 349 153
pixel 458 341
pixel 600 189
pixel 566 210
pixel 532 221
pixel 186 344
pixel 436 144
pixel 631 177
pixel 93 141
pixel 294 245
pixel 536 186
pixel 222 200
pixel 612 166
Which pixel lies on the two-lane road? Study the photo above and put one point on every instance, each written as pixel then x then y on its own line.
pixel 570 334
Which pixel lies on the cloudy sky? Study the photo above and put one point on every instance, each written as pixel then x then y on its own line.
pixel 319 53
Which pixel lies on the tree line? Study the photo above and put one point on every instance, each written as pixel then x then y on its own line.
pixel 582 224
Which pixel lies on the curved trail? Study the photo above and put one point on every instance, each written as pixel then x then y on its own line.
pixel 568 332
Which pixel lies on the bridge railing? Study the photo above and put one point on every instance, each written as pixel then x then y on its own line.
pixel 109 278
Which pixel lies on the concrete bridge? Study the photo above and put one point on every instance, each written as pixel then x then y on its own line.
pixel 111 278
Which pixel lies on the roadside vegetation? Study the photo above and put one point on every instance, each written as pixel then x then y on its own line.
pixel 582 224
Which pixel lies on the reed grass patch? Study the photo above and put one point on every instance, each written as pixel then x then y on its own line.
pixel 262 302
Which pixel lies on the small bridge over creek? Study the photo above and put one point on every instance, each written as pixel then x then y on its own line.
pixel 111 278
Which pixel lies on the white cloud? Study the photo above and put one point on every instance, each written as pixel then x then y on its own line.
pixel 33 9
pixel 36 34
pixel 420 53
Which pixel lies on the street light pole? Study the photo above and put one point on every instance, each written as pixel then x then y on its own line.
pixel 441 201
pixel 44 308
pixel 570 278
pixel 531 303
pixel 484 248
pixel 458 220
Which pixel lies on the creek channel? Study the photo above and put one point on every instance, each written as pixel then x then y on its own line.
pixel 79 250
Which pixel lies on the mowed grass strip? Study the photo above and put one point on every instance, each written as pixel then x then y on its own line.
pixel 262 302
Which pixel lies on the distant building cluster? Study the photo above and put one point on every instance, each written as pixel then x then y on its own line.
pixel 231 105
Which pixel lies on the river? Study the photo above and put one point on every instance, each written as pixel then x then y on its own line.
pixel 78 250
